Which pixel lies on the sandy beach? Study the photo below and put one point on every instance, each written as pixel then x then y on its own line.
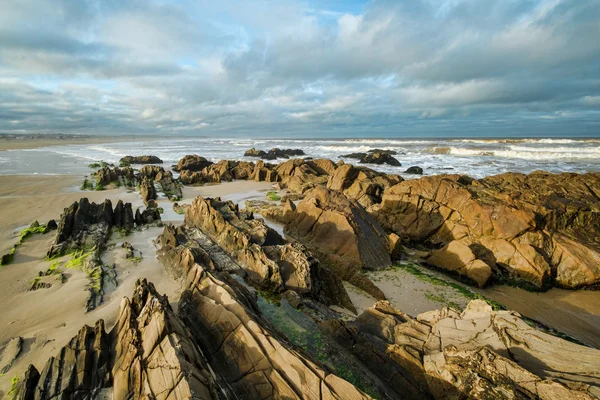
pixel 48 318
pixel 15 142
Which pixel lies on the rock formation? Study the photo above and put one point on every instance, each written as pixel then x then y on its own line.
pixel 273 153
pixel 122 176
pixel 342 235
pixel 192 163
pixel 140 160
pixel 478 353
pixel 217 347
pixel 375 156
pixel 416 170
pixel 363 184
pixel 538 229
pixel 148 191
pixel 267 259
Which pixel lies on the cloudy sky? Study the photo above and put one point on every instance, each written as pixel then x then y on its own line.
pixel 303 68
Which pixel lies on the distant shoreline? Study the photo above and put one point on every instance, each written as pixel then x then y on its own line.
pixel 34 141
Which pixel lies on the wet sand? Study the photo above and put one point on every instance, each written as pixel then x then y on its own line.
pixel 29 142
pixel 48 318
pixel 574 312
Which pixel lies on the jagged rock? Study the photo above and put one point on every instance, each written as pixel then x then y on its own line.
pixel 457 257
pixel 148 191
pixel 150 172
pixel 414 170
pixel 140 160
pixel 265 256
pixel 391 152
pixel 170 187
pixel 107 175
pixel 80 369
pixel 150 216
pixel 242 170
pixel 9 353
pixel 298 175
pixel 123 216
pixel 363 184
pixel 255 153
pixel 25 388
pixel 180 208
pixel 253 361
pixel 83 225
pixel 264 173
pixel 376 156
pixel 273 153
pixel 342 234
pixel 192 163
pixel 536 228
pixel 51 225
pixel 151 352
pixel 179 254
pixel 381 158
pixel 479 353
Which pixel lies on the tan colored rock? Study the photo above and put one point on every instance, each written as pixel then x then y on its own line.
pixel 342 235
pixel 362 184
pixel 531 224
pixel 479 353
pixel 253 361
pixel 457 257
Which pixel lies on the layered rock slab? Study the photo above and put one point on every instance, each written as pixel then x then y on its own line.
pixel 342 235
pixel 479 353
pixel 269 261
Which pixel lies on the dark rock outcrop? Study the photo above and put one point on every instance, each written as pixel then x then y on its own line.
pixel 150 172
pixel 121 176
pixel 342 235
pixel 148 191
pixel 415 170
pixel 140 160
pixel 273 153
pixel 376 156
pixel 193 163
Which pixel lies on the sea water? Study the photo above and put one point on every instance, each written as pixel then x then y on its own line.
pixel 474 157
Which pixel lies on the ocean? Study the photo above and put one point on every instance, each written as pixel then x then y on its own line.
pixel 474 157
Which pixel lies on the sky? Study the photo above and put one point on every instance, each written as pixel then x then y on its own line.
pixel 404 68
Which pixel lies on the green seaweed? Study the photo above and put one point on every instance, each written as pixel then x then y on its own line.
pixel 273 196
pixel 99 186
pixel 94 165
pixel 434 280
pixel 78 258
pixel 33 229
pixel 13 392
pixel 303 333
pixel 87 184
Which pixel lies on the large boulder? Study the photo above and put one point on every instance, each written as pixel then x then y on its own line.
pixel 342 235
pixel 140 160
pixel 375 156
pixel 539 229
pixel 458 258
pixel 274 153
pixel 362 184
pixel 192 162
